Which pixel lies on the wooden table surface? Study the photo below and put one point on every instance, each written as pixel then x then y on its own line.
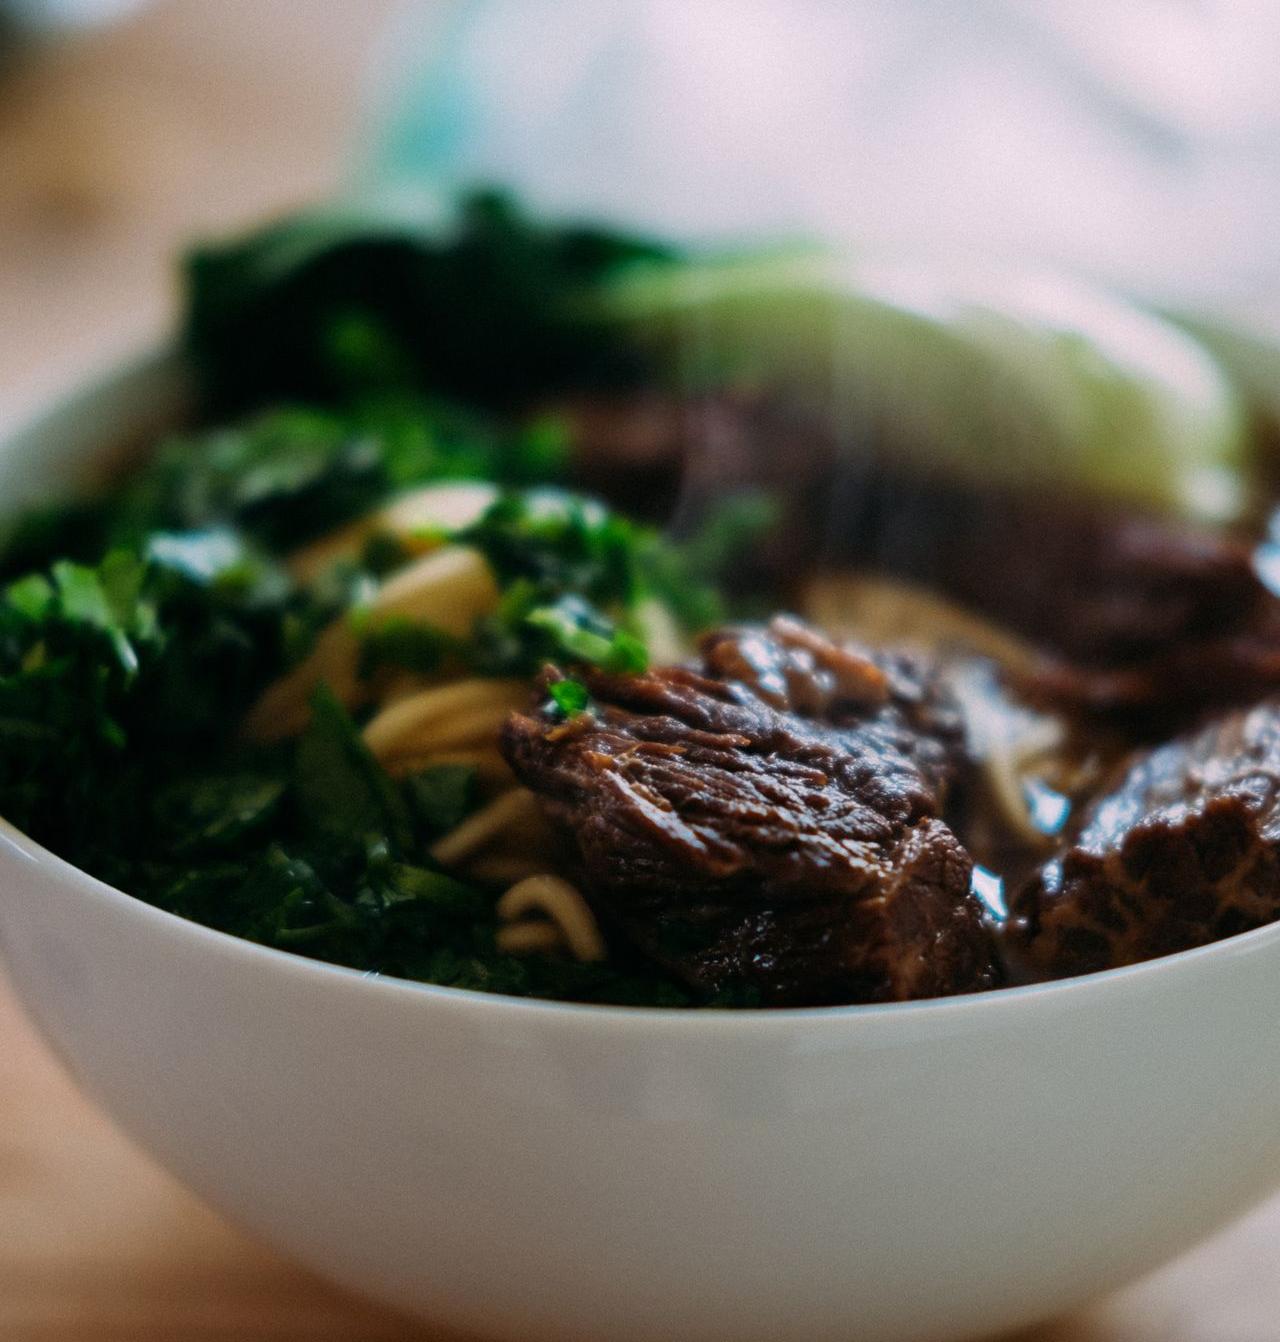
pixel 190 119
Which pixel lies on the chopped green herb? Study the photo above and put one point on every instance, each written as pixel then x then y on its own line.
pixel 576 632
pixel 441 796
pixel 403 643
pixel 343 794
pixel 340 363
pixel 569 696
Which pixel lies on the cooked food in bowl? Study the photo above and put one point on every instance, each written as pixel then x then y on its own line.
pixel 540 611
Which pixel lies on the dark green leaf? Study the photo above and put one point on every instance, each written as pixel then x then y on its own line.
pixel 577 633
pixel 216 811
pixel 569 696
pixel 342 792
pixel 326 307
pixel 32 596
pixel 403 643
pixel 442 796
pixel 443 895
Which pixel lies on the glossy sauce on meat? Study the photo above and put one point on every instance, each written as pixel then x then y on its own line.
pixel 768 825
pixel 1183 848
pixel 788 822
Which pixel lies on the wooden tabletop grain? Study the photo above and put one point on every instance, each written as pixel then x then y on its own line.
pixel 115 148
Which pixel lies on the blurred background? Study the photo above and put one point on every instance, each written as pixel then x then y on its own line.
pixel 126 129
pixel 1137 143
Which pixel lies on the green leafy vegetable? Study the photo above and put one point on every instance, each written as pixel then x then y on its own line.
pixel 563 542
pixel 343 794
pixel 441 797
pixel 106 706
pixel 327 307
pixel 107 598
pixel 342 362
pixel 569 696
pixel 578 633
pixel 996 378
pixel 214 813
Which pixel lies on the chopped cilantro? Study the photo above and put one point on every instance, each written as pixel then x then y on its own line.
pixel 440 797
pixel 340 362
pixel 569 696
pixel 579 635
pixel 404 643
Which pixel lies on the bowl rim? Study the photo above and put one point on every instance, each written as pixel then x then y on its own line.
pixel 13 842
pixel 162 364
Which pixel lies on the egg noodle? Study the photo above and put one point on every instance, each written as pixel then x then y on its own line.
pixel 420 722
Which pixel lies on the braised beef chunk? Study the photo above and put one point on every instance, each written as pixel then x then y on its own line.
pixel 1185 850
pixel 1101 587
pixel 1140 616
pixel 767 826
pixel 1159 618
pixel 896 699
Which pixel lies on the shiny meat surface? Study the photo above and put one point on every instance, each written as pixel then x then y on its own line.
pixel 1183 851
pixel 767 826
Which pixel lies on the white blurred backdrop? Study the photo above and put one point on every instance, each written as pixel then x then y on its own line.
pixel 1136 141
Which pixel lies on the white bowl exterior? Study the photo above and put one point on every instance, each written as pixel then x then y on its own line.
pixel 519 1170
pixel 527 1171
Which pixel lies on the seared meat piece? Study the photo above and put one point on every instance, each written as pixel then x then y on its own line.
pixel 768 825
pixel 1185 850
pixel 1146 615
pixel 897 701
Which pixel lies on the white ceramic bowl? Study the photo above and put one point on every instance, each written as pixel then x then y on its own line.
pixel 524 1170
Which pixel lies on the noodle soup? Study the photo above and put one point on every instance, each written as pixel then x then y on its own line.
pixel 538 610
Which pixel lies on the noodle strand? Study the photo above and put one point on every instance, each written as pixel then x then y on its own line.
pixel 561 904
pixel 488 823
pixel 447 591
